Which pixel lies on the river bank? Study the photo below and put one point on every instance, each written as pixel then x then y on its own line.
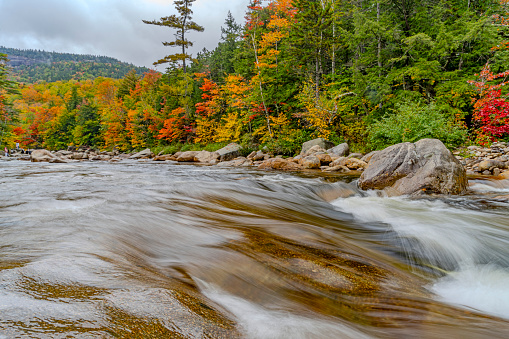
pixel 490 160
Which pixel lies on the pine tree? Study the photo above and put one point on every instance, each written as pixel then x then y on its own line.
pixel 311 35
pixel 128 84
pixel 183 24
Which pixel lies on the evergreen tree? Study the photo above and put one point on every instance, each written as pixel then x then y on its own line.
pixel 183 24
pixel 311 36
pixel 128 84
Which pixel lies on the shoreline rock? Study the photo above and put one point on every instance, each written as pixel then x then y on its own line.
pixel 315 156
pixel 426 166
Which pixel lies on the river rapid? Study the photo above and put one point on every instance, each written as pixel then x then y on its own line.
pixel 160 250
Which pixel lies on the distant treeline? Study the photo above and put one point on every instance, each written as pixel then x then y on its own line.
pixel 30 66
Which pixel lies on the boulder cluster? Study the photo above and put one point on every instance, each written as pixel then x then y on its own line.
pixel 76 155
pixel 426 166
pixel 492 160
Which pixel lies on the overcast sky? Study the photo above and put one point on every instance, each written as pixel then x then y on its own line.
pixel 108 27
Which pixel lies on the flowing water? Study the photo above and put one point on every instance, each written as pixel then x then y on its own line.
pixel 148 250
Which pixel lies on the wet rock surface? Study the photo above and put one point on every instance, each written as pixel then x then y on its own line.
pixel 424 167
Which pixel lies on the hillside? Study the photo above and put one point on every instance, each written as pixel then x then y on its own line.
pixel 30 66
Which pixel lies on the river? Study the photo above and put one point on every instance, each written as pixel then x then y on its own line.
pixel 159 250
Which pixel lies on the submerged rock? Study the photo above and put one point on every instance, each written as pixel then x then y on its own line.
pixel 426 167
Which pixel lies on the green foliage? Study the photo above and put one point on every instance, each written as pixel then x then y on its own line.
pixel 297 69
pixel 183 147
pixel 30 66
pixel 413 121
pixel 215 146
pixel 289 146
pixel 168 149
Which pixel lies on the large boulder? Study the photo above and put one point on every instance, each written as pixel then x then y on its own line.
pixel 341 150
pixel 206 157
pixel 229 152
pixel 424 167
pixel 325 144
pixel 42 155
pixel 310 162
pixel 145 154
pixel 187 156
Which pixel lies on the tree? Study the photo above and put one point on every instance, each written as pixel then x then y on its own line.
pixel 128 84
pixel 183 24
pixel 311 35
pixel 491 107
pixel 6 87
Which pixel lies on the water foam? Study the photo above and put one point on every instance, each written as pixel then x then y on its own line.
pixel 483 288
pixel 473 245
pixel 259 322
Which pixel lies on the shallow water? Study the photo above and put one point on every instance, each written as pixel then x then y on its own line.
pixel 135 249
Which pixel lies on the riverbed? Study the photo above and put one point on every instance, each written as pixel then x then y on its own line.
pixel 160 250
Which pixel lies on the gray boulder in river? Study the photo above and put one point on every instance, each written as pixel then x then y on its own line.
pixel 147 153
pixel 229 152
pixel 42 155
pixel 424 167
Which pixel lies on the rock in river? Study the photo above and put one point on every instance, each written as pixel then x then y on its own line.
pixel 229 152
pixel 426 166
pixel 279 164
pixel 42 155
pixel 145 154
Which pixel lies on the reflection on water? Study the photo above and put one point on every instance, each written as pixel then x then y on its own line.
pixel 176 251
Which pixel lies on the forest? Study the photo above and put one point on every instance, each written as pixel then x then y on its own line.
pixel 371 73
pixel 30 66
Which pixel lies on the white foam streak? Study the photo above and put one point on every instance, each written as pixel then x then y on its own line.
pixel 483 288
pixel 258 322
pixel 441 234
pixel 464 235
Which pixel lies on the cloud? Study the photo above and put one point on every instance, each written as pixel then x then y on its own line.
pixel 107 27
